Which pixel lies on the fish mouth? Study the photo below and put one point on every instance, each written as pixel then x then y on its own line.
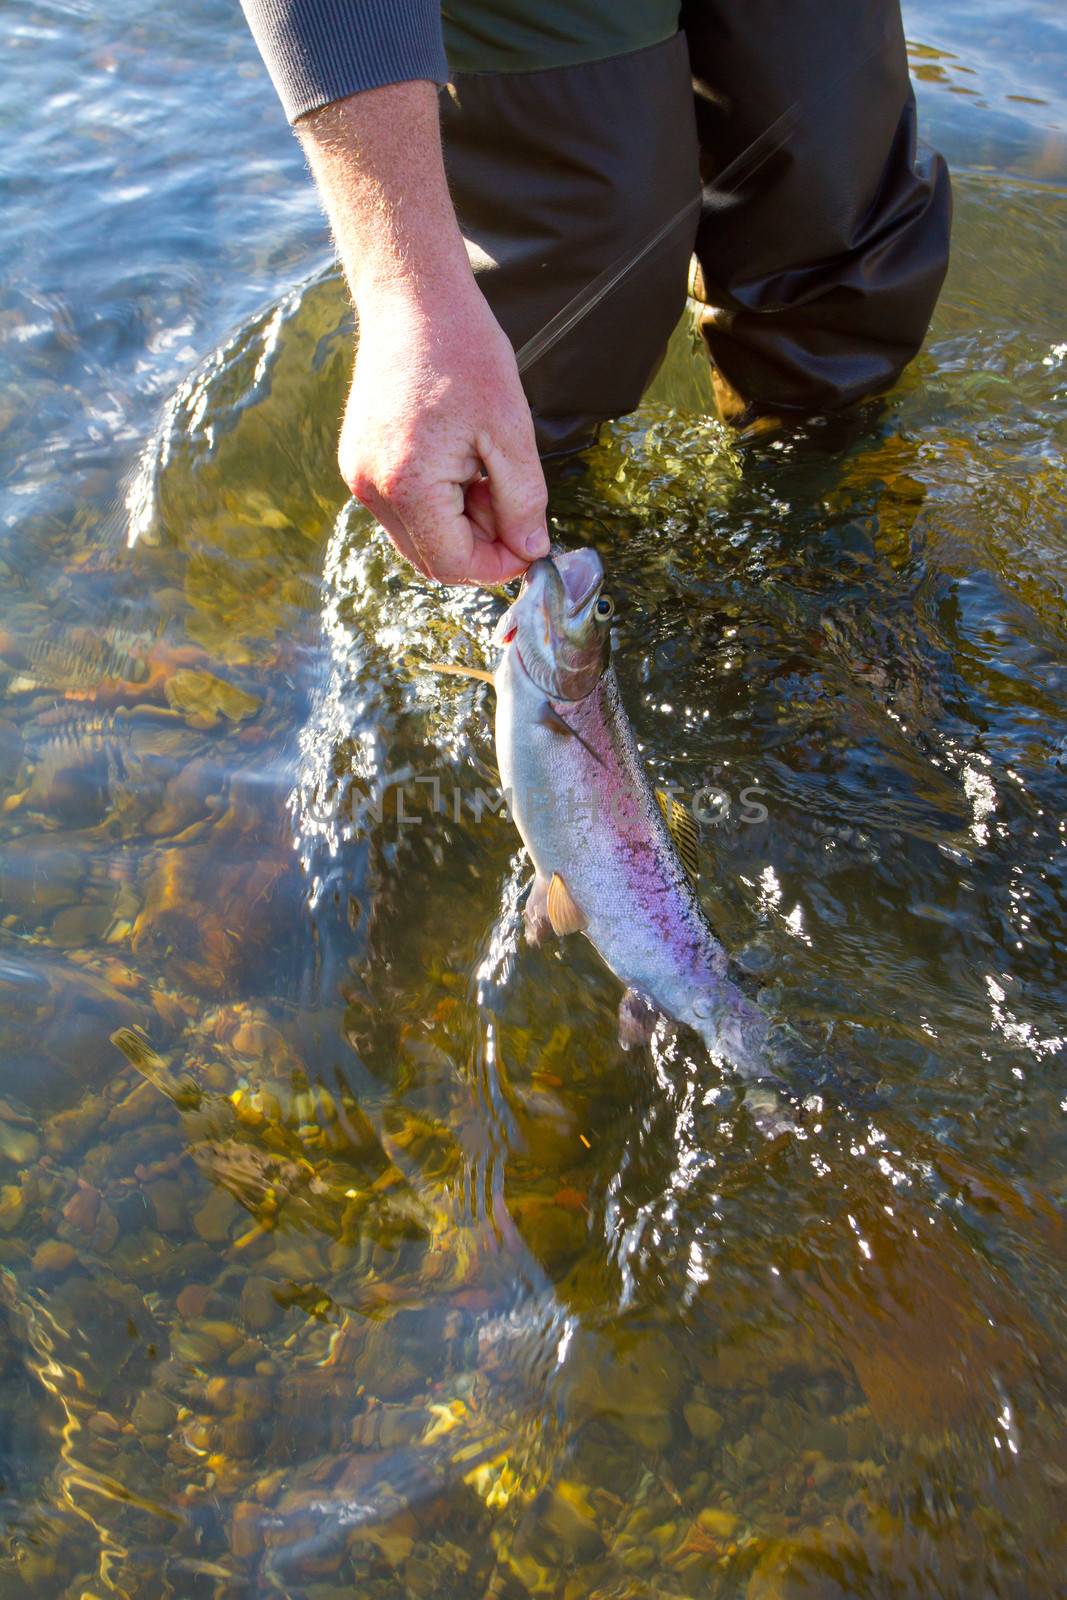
pixel 551 628
pixel 582 573
pixel 579 572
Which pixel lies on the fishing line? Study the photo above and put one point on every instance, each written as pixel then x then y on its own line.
pixel 714 196
pixel 588 298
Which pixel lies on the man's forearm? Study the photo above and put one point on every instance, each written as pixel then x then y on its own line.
pixel 376 158
pixel 437 439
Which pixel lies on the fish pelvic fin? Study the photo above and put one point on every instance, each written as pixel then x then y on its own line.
pixel 564 915
pixel 637 1019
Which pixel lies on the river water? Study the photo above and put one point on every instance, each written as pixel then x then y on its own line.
pixel 342 1252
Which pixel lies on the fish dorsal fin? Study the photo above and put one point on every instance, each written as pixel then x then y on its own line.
pixel 454 670
pixel 563 914
pixel 681 825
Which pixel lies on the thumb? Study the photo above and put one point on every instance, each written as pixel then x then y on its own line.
pixel 519 500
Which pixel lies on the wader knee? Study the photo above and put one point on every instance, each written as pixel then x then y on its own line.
pixel 821 271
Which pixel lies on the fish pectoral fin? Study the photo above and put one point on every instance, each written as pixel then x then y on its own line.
pixel 681 825
pixel 564 915
pixel 548 717
pixel 454 670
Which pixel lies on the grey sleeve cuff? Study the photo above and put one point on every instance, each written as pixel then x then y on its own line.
pixel 322 50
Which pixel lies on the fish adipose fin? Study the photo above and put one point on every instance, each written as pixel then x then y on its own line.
pixel 681 825
pixel 563 914
pixel 549 718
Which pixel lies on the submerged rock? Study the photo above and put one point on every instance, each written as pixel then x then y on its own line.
pixel 566 1514
pixel 20 1146
pixel 202 698
pixel 218 912
pixel 636 1385
pixel 259 1306
pixel 827 1563
pixel 703 1422
pixel 57 1019
pixel 54 1257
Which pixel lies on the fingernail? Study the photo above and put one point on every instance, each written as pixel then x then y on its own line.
pixel 538 543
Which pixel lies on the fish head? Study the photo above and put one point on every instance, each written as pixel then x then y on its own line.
pixel 560 626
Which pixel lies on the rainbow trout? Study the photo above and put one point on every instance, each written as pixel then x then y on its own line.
pixel 606 863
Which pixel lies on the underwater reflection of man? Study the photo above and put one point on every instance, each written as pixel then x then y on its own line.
pixel 572 130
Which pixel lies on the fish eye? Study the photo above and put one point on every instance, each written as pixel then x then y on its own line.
pixel 605 607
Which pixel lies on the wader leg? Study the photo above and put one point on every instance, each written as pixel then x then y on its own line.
pixel 821 272
pixel 556 175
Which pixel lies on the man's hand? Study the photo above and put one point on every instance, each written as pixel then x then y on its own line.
pixel 435 402
pixel 437 439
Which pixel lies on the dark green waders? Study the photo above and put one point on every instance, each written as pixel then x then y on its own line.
pixel 819 268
